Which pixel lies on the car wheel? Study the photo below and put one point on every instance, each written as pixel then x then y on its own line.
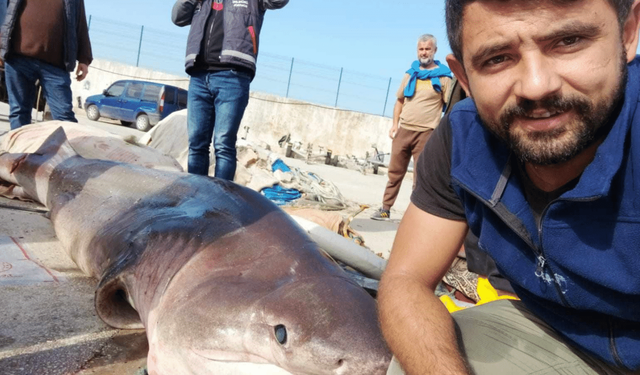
pixel 142 123
pixel 93 113
pixel 126 123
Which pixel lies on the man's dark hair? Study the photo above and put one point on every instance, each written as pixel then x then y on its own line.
pixel 454 12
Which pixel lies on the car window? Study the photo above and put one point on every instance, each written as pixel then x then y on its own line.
pixel 151 93
pixel 182 99
pixel 116 89
pixel 134 91
pixel 169 95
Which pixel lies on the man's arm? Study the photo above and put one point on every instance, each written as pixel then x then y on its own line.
pixel 415 324
pixel 182 12
pixel 446 90
pixel 273 4
pixel 397 109
pixel 85 55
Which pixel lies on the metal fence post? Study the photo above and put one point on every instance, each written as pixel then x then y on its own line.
pixel 386 98
pixel 290 73
pixel 140 45
pixel 339 82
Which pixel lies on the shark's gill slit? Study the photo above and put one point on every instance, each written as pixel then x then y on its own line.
pixel 112 305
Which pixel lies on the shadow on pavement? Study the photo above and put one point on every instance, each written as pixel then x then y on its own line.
pixel 99 356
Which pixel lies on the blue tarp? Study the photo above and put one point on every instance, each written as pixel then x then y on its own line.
pixel 277 194
pixel 280 165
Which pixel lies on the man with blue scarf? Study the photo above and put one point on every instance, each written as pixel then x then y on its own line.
pixel 421 98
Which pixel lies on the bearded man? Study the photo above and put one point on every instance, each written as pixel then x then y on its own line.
pixel 542 165
pixel 420 99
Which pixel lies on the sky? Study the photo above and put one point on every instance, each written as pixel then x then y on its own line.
pixel 373 41
pixel 369 36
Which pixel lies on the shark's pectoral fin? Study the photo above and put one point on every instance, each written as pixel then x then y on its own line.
pixel 113 306
pixel 12 191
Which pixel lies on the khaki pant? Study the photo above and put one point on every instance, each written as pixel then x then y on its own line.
pixel 503 337
pixel 406 144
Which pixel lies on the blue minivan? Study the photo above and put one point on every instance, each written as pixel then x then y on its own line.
pixel 141 103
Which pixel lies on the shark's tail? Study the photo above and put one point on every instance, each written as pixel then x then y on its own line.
pixel 25 176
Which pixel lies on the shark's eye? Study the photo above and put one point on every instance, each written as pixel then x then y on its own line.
pixel 281 334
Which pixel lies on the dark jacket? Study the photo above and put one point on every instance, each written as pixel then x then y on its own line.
pixel 579 270
pixel 242 24
pixel 9 12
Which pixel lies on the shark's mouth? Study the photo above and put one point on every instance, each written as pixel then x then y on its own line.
pixel 223 363
pixel 228 356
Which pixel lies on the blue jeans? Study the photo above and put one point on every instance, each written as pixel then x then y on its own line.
pixel 21 74
pixel 217 101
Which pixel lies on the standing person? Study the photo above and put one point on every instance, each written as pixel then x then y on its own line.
pixel 421 97
pixel 541 164
pixel 42 40
pixel 221 59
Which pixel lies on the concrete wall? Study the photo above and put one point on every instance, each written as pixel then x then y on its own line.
pixel 268 117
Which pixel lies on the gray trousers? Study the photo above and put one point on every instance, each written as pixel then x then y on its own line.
pixel 503 337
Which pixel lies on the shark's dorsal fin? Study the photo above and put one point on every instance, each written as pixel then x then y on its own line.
pixel 57 143
pixel 31 171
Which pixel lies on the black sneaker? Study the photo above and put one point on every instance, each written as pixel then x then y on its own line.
pixel 382 215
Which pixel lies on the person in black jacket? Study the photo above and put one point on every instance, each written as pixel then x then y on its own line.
pixel 222 48
pixel 42 41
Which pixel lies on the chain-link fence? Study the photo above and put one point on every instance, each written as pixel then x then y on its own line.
pixel 280 75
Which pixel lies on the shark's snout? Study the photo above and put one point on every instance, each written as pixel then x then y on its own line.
pixel 331 328
pixel 315 326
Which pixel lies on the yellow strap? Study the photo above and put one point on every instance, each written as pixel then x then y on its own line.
pixel 486 292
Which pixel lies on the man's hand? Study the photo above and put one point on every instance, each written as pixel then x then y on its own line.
pixel 82 71
pixel 397 109
pixel 393 131
pixel 415 324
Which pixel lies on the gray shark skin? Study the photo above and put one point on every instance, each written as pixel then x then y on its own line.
pixel 222 280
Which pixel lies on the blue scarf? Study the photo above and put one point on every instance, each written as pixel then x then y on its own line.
pixel 416 73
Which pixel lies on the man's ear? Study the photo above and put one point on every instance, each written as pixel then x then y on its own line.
pixel 630 31
pixel 458 70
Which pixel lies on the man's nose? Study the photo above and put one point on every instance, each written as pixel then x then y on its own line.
pixel 537 78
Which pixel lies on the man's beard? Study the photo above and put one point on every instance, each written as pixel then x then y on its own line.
pixel 425 62
pixel 565 142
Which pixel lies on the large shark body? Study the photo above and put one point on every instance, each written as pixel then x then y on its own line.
pixel 223 281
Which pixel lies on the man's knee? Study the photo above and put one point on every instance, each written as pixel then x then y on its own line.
pixel 61 111
pixel 503 337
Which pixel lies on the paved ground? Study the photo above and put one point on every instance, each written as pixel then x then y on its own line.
pixel 47 321
pixel 365 189
pixel 48 324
